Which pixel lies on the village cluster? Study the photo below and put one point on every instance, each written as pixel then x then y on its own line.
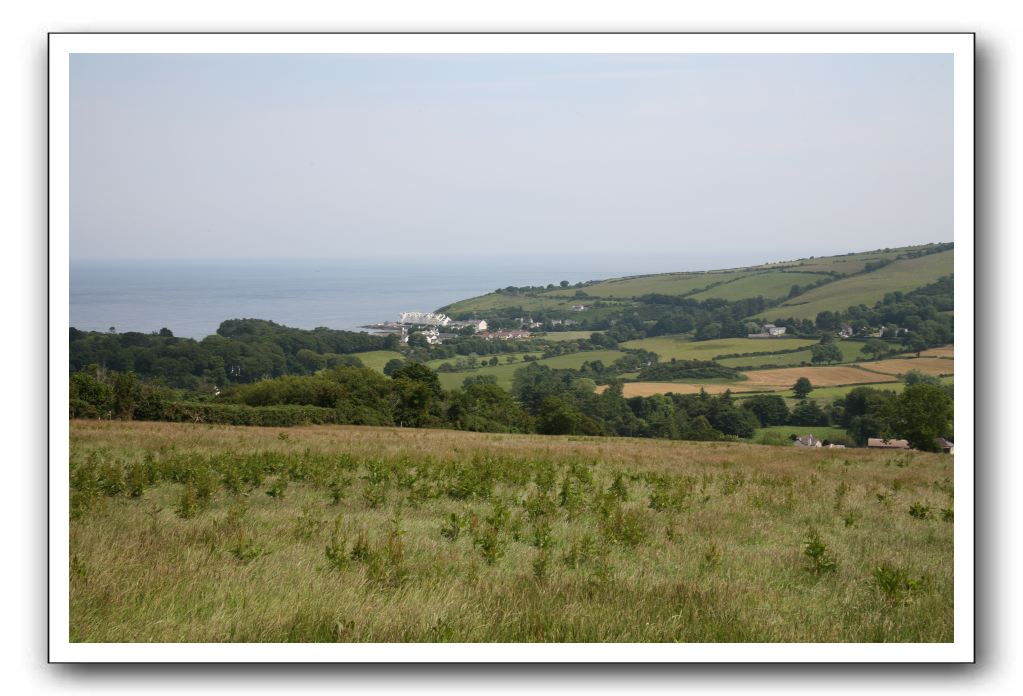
pixel 437 328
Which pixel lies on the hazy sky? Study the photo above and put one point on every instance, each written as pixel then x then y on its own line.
pixel 362 155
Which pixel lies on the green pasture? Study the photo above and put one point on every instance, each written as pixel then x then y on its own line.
pixel 850 353
pixel 497 301
pixel 825 395
pixel 681 347
pixel 846 264
pixel 376 359
pixel 663 284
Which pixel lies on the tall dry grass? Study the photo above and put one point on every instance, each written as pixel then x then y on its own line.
pixel 377 534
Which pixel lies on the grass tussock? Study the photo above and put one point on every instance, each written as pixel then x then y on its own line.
pixel 220 533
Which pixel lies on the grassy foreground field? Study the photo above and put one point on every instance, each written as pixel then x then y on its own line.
pixel 204 533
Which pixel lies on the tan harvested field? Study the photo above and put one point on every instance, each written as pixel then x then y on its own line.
pixel 940 352
pixel 205 533
pixel 765 380
pixel 900 366
pixel 631 389
pixel 823 376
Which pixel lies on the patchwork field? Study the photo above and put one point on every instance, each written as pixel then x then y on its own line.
pixel 556 336
pixel 770 285
pixel 940 352
pixel 850 353
pixel 505 373
pixel 766 381
pixel 825 395
pixel 501 301
pixel 348 534
pixel 846 264
pixel 683 348
pixel 904 275
pixel 824 376
pixel 900 366
pixel 666 284
pixel 630 389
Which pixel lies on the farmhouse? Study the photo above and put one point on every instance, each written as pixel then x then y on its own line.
pixel 946 446
pixel 504 335
pixel 808 440
pixel 474 324
pixel 882 443
pixel 768 331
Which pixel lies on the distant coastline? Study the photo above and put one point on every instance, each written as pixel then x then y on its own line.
pixel 192 297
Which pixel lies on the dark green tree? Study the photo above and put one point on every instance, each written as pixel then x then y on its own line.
pixel 874 348
pixel 393 365
pixel 770 409
pixel 825 353
pixel 921 413
pixel 802 388
pixel 808 413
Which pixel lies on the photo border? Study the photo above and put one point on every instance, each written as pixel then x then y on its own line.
pixel 62 44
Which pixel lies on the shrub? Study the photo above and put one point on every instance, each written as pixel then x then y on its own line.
pixel 618 489
pixel 307 524
pixel 245 548
pixel 278 488
pixel 188 503
pixel 541 564
pixel 581 550
pixel 815 549
pixel 895 582
pixel 453 529
pixel 374 495
pixel 337 487
pixel 919 511
pixel 542 537
pixel 851 517
pixel 628 527
pixel 360 549
pixel 711 557
pixel 395 547
pixel 490 544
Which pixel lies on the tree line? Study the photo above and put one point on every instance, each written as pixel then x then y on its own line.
pixel 542 400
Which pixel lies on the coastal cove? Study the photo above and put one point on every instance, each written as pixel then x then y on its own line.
pixel 192 296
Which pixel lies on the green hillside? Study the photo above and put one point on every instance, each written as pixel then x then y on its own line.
pixel 854 278
pixel 903 275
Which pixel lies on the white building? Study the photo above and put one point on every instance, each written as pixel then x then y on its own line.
pixel 424 319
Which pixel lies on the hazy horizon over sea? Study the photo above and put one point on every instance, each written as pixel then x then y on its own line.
pixel 192 297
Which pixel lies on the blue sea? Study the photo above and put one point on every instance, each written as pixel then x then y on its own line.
pixel 192 297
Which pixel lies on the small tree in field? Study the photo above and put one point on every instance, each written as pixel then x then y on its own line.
pixel 802 388
pixel 874 348
pixel 826 353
